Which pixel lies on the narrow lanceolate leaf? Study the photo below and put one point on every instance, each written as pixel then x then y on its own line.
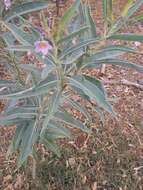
pixel 104 9
pixel 5 119
pixel 72 58
pixel 20 48
pixel 121 48
pixel 128 11
pixel 127 37
pixel 6 83
pixel 33 91
pixel 25 8
pixel 8 122
pixel 31 110
pixel 78 46
pixel 97 82
pixel 73 34
pixel 132 7
pixel 46 71
pixel 92 90
pixel 66 18
pixel 16 114
pixel 79 107
pixel 8 38
pixel 29 138
pixel 51 145
pixel 106 53
pixel 135 19
pixel 122 63
pixel 52 108
pixel 90 21
pixel 19 34
pixel 111 10
pixel 99 112
pixel 126 7
pixel 66 118
pixel 56 130
pixel 31 68
pixel 16 140
pixel 116 26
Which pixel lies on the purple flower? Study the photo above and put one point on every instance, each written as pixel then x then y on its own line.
pixel 7 4
pixel 42 46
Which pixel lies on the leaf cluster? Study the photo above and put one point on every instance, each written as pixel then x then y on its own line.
pixel 36 101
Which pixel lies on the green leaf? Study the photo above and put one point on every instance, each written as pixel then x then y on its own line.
pixel 122 63
pixel 106 53
pixel 104 9
pixel 132 8
pixel 19 34
pixel 24 9
pixel 34 72
pixel 92 90
pixel 50 144
pixel 127 37
pixel 118 62
pixel 126 8
pixel 30 67
pixel 30 136
pixel 6 119
pixel 65 117
pixel 112 51
pixel 21 48
pixel 56 131
pixel 8 38
pixel 9 121
pixel 79 107
pixel 116 26
pixel 2 7
pixel 97 82
pixel 128 11
pixel 16 140
pixel 33 91
pixel 90 21
pixel 135 19
pixel 17 114
pixel 72 58
pixel 78 46
pixel 100 113
pixel 73 34
pixel 107 11
pixel 46 71
pixel 53 105
pixel 6 83
pixel 22 109
pixel 111 10
pixel 116 48
pixel 66 18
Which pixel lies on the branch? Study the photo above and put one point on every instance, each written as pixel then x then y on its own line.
pixel 123 82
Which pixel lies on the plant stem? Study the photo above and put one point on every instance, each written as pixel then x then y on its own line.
pixel 34 169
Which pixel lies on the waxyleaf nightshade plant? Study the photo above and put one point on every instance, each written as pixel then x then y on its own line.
pixel 39 97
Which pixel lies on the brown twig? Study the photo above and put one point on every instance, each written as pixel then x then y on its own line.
pixel 123 82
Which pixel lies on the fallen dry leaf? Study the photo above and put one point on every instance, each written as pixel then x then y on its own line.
pixel 94 186
pixel 9 187
pixel 7 178
pixel 71 162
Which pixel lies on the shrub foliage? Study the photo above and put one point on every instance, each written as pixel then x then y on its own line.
pixel 36 96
